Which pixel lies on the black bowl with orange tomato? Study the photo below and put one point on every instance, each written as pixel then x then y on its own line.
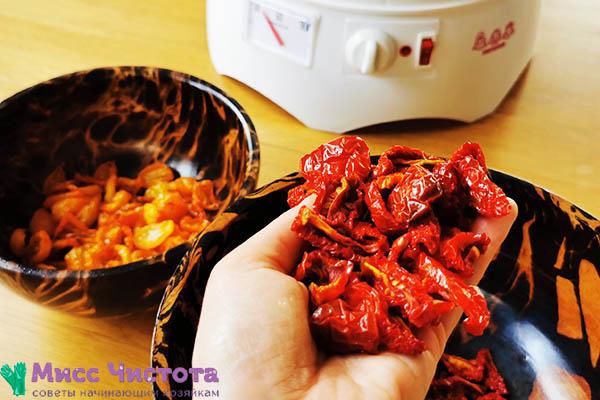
pixel 129 119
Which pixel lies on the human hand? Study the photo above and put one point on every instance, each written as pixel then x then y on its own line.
pixel 254 328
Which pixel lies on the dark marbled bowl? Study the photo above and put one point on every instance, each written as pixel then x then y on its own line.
pixel 543 291
pixel 134 116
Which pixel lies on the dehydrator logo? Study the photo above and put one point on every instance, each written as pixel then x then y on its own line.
pixel 15 377
pixel 496 39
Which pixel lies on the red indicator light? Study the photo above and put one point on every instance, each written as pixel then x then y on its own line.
pixel 427 46
pixel 405 51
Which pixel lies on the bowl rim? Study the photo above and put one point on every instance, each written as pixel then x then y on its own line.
pixel 247 186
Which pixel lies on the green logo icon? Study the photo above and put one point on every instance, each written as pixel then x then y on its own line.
pixel 15 377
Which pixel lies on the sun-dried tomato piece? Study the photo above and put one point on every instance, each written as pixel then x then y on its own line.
pixel 412 197
pixel 39 247
pixel 154 173
pixel 485 196
pixel 493 380
pixel 308 218
pixel 42 220
pixel 451 287
pixel 422 237
pixel 490 396
pixel 329 275
pixel 151 236
pixel 350 323
pixel 472 370
pixel 409 200
pixel 461 378
pixel 458 384
pixel 358 320
pixel 397 157
pixel 459 251
pixel 347 157
pixel 470 149
pixel 381 216
pixel 405 291
pixel 18 242
pixel 397 337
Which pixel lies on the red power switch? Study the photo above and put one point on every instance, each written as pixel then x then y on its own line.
pixel 427 45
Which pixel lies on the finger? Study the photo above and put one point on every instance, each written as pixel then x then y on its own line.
pixel 275 246
pixel 497 229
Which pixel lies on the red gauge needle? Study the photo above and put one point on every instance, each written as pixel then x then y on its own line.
pixel 274 30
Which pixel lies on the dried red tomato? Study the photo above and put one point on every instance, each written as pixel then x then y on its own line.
pixel 327 274
pixel 487 198
pixel 390 245
pixel 397 157
pixel 451 287
pixel 405 291
pixel 346 157
pixel 359 321
pixel 461 249
pixel 458 378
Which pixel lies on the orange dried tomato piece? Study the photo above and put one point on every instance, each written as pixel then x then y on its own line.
pixel 131 185
pixel 152 235
pixel 42 220
pixel 105 171
pixel 191 224
pixel 173 241
pixel 151 213
pixel 154 173
pixel 113 235
pixel 110 188
pixel 74 258
pixel 17 242
pixel 89 212
pixel 65 243
pixel 74 192
pixel 171 206
pixel 67 206
pixel 184 185
pixel 39 247
pixel 138 255
pixel 71 222
pixel 54 178
pixel 204 196
pixel 132 218
pixel 117 201
pixel 155 191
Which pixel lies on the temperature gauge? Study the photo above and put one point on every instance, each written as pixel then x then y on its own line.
pixel 281 30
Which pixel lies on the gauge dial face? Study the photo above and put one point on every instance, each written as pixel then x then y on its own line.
pixel 287 32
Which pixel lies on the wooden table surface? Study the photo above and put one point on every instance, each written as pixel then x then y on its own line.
pixel 547 131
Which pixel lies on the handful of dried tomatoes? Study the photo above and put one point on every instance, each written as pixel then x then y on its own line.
pixel 390 244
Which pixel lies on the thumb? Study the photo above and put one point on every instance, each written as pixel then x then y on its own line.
pixel 274 247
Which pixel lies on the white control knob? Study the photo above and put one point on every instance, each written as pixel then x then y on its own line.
pixel 370 51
